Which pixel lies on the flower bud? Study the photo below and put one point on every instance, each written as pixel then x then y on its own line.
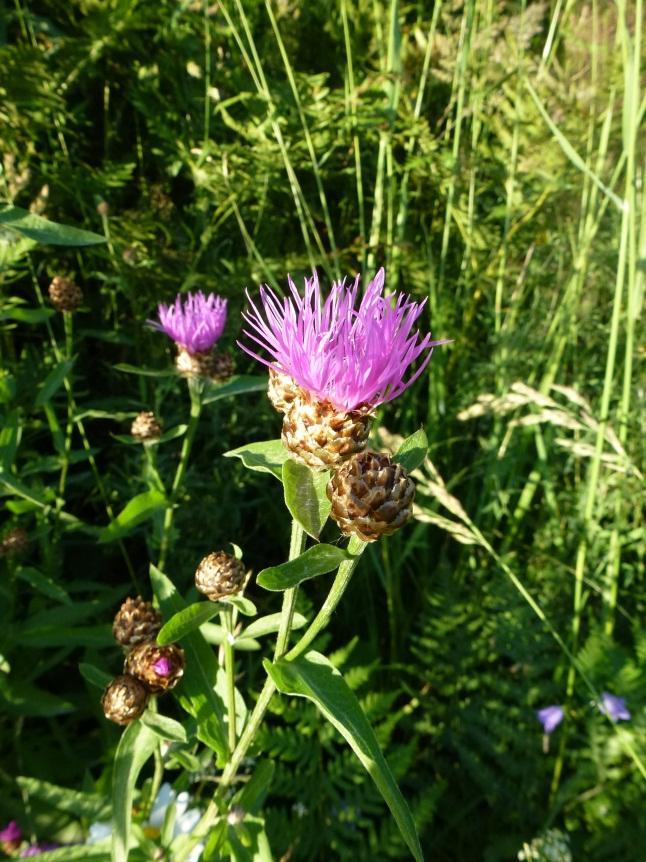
pixel 282 390
pixel 65 294
pixel 219 575
pixel 103 208
pixel 146 427
pixel 371 496
pixel 319 435
pixel 136 622
pixel 124 699
pixel 15 542
pixel 160 668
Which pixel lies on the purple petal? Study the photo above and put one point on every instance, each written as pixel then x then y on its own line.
pixel 351 355
pixel 550 717
pixel 614 707
pixel 11 832
pixel 194 321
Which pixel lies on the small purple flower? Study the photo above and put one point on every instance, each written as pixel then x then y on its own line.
pixel 614 707
pixel 12 832
pixel 348 350
pixel 37 849
pixel 194 322
pixel 550 717
pixel 162 667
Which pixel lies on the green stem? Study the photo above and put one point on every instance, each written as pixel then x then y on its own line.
pixel 195 391
pixel 296 548
pixel 229 669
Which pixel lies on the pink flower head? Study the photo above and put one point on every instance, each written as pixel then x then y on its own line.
pixel 162 667
pixel 11 832
pixel 194 322
pixel 348 350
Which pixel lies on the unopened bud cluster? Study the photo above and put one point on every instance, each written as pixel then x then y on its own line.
pixel 146 427
pixel 149 668
pixel 219 574
pixel 65 294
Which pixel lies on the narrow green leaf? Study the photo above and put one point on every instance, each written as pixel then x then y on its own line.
pixel 21 698
pixel 94 675
pixel 27 315
pixel 313 677
pixel 53 381
pixel 305 496
pixel 317 560
pixel 196 691
pixel 269 625
pixel 10 436
pixel 139 509
pixel 267 456
pixel 412 451
pixel 136 745
pixel 43 584
pixel 186 621
pixel 89 805
pixel 144 372
pixel 242 603
pixel 164 727
pixel 43 230
pixel 238 385
pixel 98 852
pixel 60 636
pixel 252 795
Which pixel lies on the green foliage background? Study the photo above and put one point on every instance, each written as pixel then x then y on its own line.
pixel 490 155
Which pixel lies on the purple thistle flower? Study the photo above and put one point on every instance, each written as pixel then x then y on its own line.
pixel 162 667
pixel 194 322
pixel 614 707
pixel 339 350
pixel 550 717
pixel 12 832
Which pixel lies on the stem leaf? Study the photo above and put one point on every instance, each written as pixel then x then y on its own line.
pixel 139 509
pixel 266 456
pixel 53 381
pixel 269 625
pixel 305 496
pixel 317 560
pixel 136 745
pixel 237 385
pixel 244 605
pixel 412 451
pixel 313 677
pixel 43 230
pixel 164 727
pixel 94 675
pixel 186 621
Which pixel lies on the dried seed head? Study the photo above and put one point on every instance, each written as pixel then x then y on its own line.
pixel 124 699
pixel 282 390
pixel 371 496
pixel 206 363
pixel 146 427
pixel 15 542
pixel 219 575
pixel 322 437
pixel 65 294
pixel 103 208
pixel 158 667
pixel 136 622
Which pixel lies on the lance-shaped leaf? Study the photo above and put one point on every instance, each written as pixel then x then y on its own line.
pixel 186 621
pixel 266 456
pixel 139 509
pixel 164 727
pixel 305 496
pixel 239 384
pixel 269 625
pixel 412 451
pixel 313 677
pixel 135 747
pixel 317 560
pixel 196 692
pixel 43 230
pixel 54 381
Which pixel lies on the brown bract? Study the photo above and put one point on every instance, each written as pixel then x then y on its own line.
pixel 322 437
pixel 282 390
pixel 136 622
pixel 218 575
pixel 217 367
pixel 146 427
pixel 124 699
pixel 65 294
pixel 371 496
pixel 14 542
pixel 160 668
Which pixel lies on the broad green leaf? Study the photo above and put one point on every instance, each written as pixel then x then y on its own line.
pixel 186 621
pixel 53 381
pixel 242 603
pixel 94 675
pixel 42 230
pixel 412 451
pixel 26 315
pixel 313 677
pixel 196 692
pixel 136 745
pixel 21 698
pixel 164 727
pixel 43 584
pixel 237 385
pixel 139 509
pixel 89 805
pixel 269 625
pixel 317 560
pixel 305 496
pixel 267 456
